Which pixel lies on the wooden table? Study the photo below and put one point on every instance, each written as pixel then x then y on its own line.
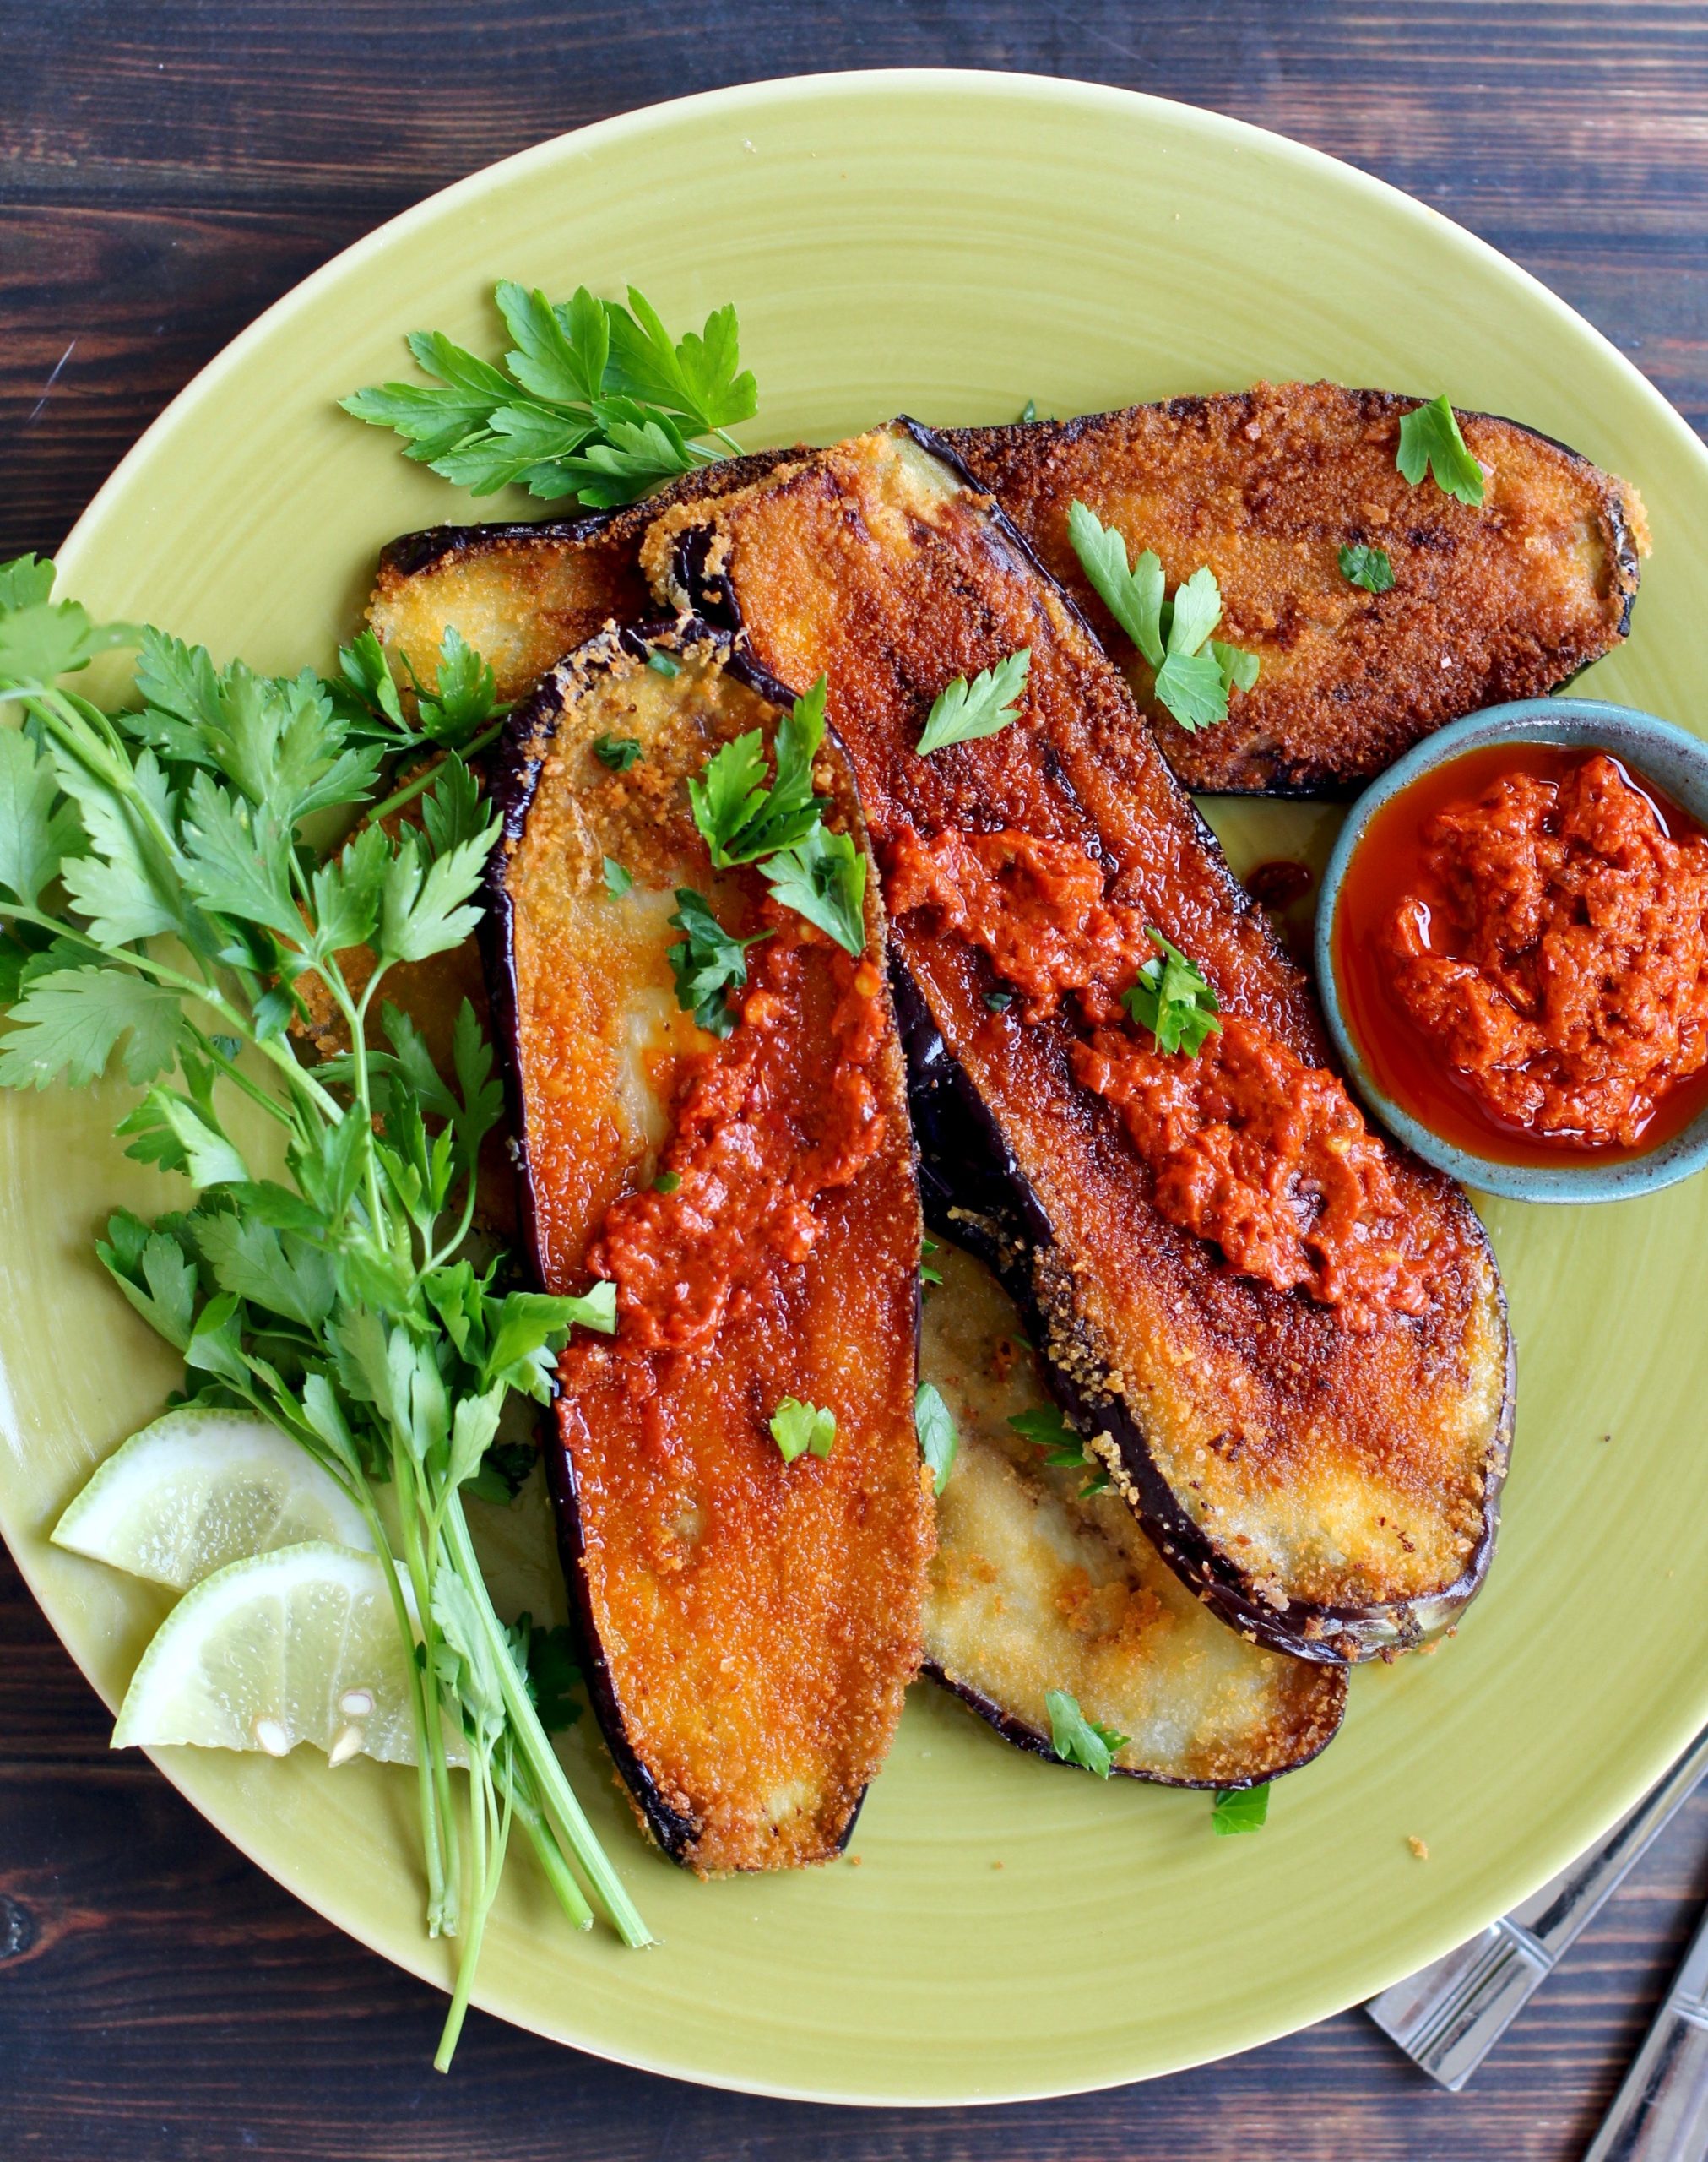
pixel 166 170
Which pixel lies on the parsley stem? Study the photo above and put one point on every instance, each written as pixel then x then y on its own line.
pixel 556 1796
pixel 413 788
pixel 210 1050
pixel 416 1560
pixel 570 1897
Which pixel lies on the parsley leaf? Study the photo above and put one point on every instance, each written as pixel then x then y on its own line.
pixel 1174 1001
pixel 998 1002
pixel 70 1022
pixel 617 881
pixel 1239 1809
pixel 619 752
pixel 1077 1740
pixel 39 828
pixel 1028 412
pixel 930 1274
pixel 800 1429
pixel 596 399
pixel 668 1182
pixel 739 818
pixel 503 1473
pixel 1046 1429
pixel 938 1439
pixel 1431 441
pixel 823 877
pixel 963 711
pixel 707 962
pixel 1195 673
pixel 554 1672
pixel 1368 568
pixel 661 663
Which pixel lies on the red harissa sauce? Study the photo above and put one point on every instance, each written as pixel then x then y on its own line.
pixel 1520 943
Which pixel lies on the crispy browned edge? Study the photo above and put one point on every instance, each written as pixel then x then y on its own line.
pixel 515 776
pixel 1251 752
pixel 976 1194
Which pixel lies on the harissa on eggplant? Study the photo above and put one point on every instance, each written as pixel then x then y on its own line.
pixel 749 1187
pixel 1305 1393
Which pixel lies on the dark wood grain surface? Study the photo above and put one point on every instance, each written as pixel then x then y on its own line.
pixel 168 167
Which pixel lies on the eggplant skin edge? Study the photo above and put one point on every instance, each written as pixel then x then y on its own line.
pixel 1019 1735
pixel 986 1205
pixel 513 780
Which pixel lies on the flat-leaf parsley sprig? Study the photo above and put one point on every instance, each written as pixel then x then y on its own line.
pixel 598 402
pixel 780 829
pixel 160 906
pixel 1195 672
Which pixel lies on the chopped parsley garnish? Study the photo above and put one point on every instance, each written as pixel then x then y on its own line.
pixel 823 877
pixel 819 874
pixel 1047 1430
pixel 928 1273
pixel 739 818
pixel 963 711
pixel 1195 673
pixel 999 1001
pixel 802 1429
pixel 1368 568
pixel 617 881
pixel 619 752
pixel 1028 412
pixel 1077 1740
pixel 1430 441
pixel 661 663
pixel 938 1440
pixel 707 962
pixel 1173 1001
pixel 668 1182
pixel 598 402
pixel 1239 1809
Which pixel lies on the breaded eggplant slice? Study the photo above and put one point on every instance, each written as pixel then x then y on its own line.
pixel 752 1623
pixel 1037 1585
pixel 1507 600
pixel 524 595
pixel 1332 1493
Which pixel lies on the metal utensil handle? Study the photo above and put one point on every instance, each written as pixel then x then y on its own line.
pixel 1660 2113
pixel 1447 2017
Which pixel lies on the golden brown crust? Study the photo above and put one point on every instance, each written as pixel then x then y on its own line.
pixel 1036 1586
pixel 1506 600
pixel 523 595
pixel 1316 1470
pixel 754 1623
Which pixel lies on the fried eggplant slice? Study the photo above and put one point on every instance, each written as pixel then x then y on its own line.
pixel 1038 1585
pixel 1506 600
pixel 753 1622
pixel 524 595
pixel 1331 1489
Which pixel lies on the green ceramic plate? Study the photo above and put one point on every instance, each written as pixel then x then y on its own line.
pixel 952 245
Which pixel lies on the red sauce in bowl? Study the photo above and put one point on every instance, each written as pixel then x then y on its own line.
pixel 1520 945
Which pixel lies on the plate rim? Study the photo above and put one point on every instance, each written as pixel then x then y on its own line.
pixel 415 1954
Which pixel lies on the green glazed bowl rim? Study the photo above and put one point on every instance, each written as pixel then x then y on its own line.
pixel 1672 758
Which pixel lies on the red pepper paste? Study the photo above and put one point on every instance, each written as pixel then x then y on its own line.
pixel 1250 1147
pixel 783 1109
pixel 1036 907
pixel 1270 1158
pixel 1545 939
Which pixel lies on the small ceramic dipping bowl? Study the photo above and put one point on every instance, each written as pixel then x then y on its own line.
pixel 1649 749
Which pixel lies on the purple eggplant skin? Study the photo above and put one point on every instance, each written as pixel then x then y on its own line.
pixel 975 1192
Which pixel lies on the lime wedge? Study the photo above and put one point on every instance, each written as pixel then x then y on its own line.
pixel 199 1489
pixel 298 1645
